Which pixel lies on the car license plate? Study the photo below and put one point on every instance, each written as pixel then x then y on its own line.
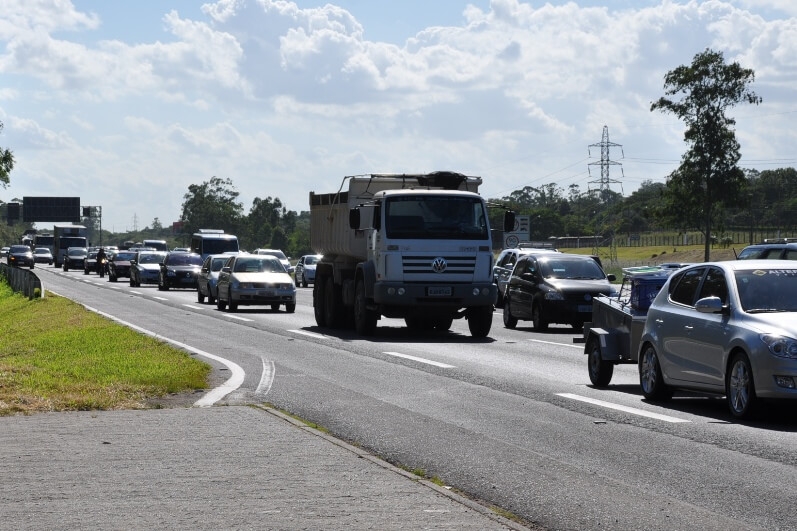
pixel 439 291
pixel 584 308
pixel 265 293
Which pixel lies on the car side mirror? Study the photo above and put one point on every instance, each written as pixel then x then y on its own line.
pixel 611 277
pixel 225 269
pixel 709 305
pixel 528 276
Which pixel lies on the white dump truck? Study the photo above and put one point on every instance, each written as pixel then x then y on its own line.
pixel 416 247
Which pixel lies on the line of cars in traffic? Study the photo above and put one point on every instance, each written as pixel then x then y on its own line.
pixel 724 328
pixel 230 279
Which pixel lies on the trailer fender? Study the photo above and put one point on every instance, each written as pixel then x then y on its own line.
pixel 607 341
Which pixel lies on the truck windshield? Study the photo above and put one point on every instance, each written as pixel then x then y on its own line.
pixel 434 217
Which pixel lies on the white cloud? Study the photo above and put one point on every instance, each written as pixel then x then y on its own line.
pixel 282 99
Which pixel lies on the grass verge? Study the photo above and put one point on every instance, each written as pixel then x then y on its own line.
pixel 57 356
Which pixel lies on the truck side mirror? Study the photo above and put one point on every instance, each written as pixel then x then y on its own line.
pixel 354 218
pixel 509 221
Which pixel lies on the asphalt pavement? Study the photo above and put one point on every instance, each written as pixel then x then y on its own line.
pixel 223 467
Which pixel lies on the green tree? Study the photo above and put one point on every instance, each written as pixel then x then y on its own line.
pixel 6 164
pixel 708 178
pixel 211 205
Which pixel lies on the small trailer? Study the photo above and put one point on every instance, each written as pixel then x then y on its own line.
pixel 617 322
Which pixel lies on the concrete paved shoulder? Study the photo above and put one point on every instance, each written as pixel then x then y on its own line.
pixel 209 468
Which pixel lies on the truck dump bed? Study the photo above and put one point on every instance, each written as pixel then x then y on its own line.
pixel 330 233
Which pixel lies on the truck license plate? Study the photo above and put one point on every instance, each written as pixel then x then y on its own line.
pixel 439 291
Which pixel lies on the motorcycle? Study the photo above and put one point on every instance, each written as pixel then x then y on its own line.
pixel 101 265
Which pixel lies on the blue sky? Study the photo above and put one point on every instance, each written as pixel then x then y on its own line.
pixel 126 104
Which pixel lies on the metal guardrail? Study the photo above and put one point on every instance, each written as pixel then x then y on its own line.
pixel 22 281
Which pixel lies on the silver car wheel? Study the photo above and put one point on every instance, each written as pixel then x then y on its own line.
pixel 740 389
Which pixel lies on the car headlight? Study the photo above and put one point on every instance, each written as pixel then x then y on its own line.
pixel 780 346
pixel 554 296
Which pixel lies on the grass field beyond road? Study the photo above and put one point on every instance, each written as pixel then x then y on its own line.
pixel 57 356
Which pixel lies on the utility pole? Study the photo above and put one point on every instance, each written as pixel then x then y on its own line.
pixel 605 181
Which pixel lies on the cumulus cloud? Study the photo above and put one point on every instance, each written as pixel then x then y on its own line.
pixel 251 88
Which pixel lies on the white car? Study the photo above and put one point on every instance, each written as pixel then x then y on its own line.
pixel 250 279
pixel 279 254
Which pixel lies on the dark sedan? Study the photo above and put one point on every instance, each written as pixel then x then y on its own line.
pixel 119 265
pixel 75 258
pixel 20 255
pixel 554 288
pixel 179 270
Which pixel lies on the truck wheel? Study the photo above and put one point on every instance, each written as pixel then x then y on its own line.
pixel 509 320
pixel 540 324
pixel 333 309
pixel 364 319
pixel 739 388
pixel 600 371
pixel 650 376
pixel 319 294
pixel 480 319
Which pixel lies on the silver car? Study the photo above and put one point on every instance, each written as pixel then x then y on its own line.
pixel 255 279
pixel 725 328
pixel 209 276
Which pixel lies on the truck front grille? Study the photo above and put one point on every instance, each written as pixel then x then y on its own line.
pixel 425 264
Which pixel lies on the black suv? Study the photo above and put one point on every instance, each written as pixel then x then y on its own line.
pixel 777 249
pixel 554 288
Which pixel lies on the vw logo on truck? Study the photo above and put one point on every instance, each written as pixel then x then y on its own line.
pixel 439 264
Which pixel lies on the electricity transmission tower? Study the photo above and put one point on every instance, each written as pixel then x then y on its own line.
pixel 605 181
pixel 605 163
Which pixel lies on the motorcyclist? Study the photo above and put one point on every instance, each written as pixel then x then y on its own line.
pixel 101 259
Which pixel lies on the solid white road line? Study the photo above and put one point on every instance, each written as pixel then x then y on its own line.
pixel 632 410
pixel 420 360
pixel 267 378
pixel 580 347
pixel 239 318
pixel 311 334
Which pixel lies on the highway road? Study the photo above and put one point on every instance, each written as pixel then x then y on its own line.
pixel 510 420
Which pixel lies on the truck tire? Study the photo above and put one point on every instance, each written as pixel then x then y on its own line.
pixel 333 308
pixel 600 371
pixel 364 319
pixel 480 319
pixel 319 295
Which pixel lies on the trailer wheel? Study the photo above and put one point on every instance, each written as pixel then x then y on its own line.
pixel 600 371
pixel 364 319
pixel 480 319
pixel 650 376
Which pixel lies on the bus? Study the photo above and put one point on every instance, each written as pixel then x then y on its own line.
pixel 213 241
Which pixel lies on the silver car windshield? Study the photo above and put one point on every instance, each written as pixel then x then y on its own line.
pixel 767 290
